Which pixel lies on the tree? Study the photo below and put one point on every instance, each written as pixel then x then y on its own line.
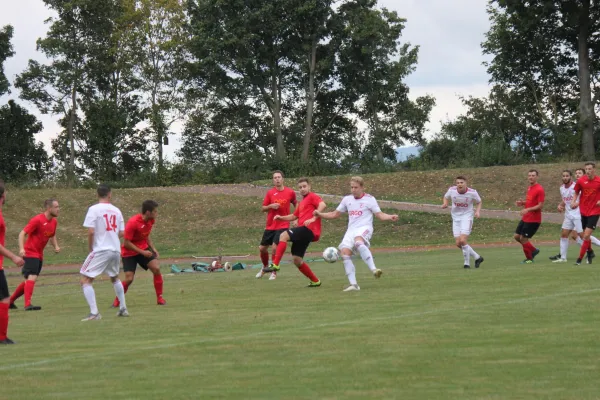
pixel 549 49
pixel 6 51
pixel 22 157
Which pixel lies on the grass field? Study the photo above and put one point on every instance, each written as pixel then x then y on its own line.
pixel 427 330
pixel 498 186
pixel 205 224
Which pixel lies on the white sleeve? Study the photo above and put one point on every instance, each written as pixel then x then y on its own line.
pixel 476 197
pixel 121 222
pixel 448 195
pixel 375 206
pixel 90 219
pixel 342 207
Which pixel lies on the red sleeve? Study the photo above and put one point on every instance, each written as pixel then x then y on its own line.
pixel 129 230
pixel 577 187
pixel 32 225
pixel 316 200
pixel 297 212
pixel 293 198
pixel 541 196
pixel 267 199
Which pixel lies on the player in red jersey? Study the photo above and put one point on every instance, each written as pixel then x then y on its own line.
pixel 588 187
pixel 531 216
pixel 4 292
pixel 138 249
pixel 38 231
pixel 307 231
pixel 277 202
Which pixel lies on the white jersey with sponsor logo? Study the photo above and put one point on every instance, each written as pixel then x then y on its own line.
pixel 567 194
pixel 360 211
pixel 107 222
pixel 462 203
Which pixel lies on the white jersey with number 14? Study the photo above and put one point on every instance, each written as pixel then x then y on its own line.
pixel 462 203
pixel 107 222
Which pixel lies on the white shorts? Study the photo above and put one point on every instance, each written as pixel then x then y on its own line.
pixel 462 226
pixel 572 224
pixel 100 262
pixel 364 232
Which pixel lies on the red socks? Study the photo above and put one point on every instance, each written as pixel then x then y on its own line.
pixel 528 249
pixel 158 285
pixel 19 291
pixel 305 269
pixel 279 252
pixel 29 285
pixel 264 257
pixel 3 320
pixel 587 244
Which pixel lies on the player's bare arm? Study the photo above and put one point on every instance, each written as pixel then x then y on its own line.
pixel 290 217
pixel 322 206
pixel 478 209
pixel 561 206
pixel 520 203
pixel 55 244
pixel 445 202
pixel 328 215
pixel 386 217
pixel 151 246
pixel 130 246
pixel 13 257
pixel 272 206
pixel 537 207
pixel 91 232
pixel 22 236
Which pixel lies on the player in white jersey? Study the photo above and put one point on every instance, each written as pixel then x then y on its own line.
pixel 105 228
pixel 361 208
pixel 463 200
pixel 572 223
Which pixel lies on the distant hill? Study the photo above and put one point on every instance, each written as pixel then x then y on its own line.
pixel 402 153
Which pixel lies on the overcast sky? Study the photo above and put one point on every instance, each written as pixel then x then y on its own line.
pixel 449 34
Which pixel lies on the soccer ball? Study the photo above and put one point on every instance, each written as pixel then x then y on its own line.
pixel 331 254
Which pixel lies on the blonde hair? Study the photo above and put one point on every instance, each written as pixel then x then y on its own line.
pixel 358 180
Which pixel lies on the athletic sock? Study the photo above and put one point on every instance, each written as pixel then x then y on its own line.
pixel 19 291
pixel 350 269
pixel 587 244
pixel 366 255
pixel 526 250
pixel 595 241
pixel 473 253
pixel 90 296
pixel 466 255
pixel 279 252
pixel 116 302
pixel 120 292
pixel 3 320
pixel 305 269
pixel 564 247
pixel 158 285
pixel 264 257
pixel 29 285
pixel 579 241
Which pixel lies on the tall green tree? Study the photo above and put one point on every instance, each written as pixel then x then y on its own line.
pixel 6 51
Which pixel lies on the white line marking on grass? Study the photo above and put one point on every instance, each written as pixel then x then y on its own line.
pixel 283 331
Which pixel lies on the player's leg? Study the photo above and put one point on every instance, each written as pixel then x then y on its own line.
pixel 564 245
pixel 19 291
pixel 4 306
pixel 284 237
pixel 112 270
pixel 346 249
pixel 263 249
pixel 301 239
pixel 465 231
pixel 274 251
pixel 91 268
pixel 361 244
pixel 593 240
pixel 154 266
pixel 461 242
pixel 129 267
pixel 589 224
pixel 31 271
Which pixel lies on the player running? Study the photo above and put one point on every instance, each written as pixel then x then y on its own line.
pixel 307 231
pixel 588 188
pixel 463 198
pixel 360 207
pixel 277 202
pixel 4 292
pixel 105 228
pixel 138 249
pixel 531 216
pixel 572 222
pixel 38 231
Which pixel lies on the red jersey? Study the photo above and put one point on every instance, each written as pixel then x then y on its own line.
pixel 2 236
pixel 535 196
pixel 590 195
pixel 39 230
pixel 305 211
pixel 285 198
pixel 137 231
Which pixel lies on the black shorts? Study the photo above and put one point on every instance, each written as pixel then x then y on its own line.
pixel 589 222
pixel 33 266
pixel 4 292
pixel 130 263
pixel 301 237
pixel 527 229
pixel 270 237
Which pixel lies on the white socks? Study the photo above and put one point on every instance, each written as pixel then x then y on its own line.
pixel 366 255
pixel 120 292
pixel 466 255
pixel 473 253
pixel 90 296
pixel 595 241
pixel 564 247
pixel 350 270
pixel 579 241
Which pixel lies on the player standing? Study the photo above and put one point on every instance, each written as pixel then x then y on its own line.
pixel 4 292
pixel 360 207
pixel 531 216
pixel 588 187
pixel 38 231
pixel 277 202
pixel 463 198
pixel 105 228
pixel 307 231
pixel 138 249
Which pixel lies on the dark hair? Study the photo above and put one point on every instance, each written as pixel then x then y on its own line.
pixel 568 171
pixel 303 180
pixel 461 177
pixel 103 191
pixel 1 187
pixel 534 170
pixel 590 163
pixel 49 202
pixel 278 172
pixel 149 205
pixel 580 169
